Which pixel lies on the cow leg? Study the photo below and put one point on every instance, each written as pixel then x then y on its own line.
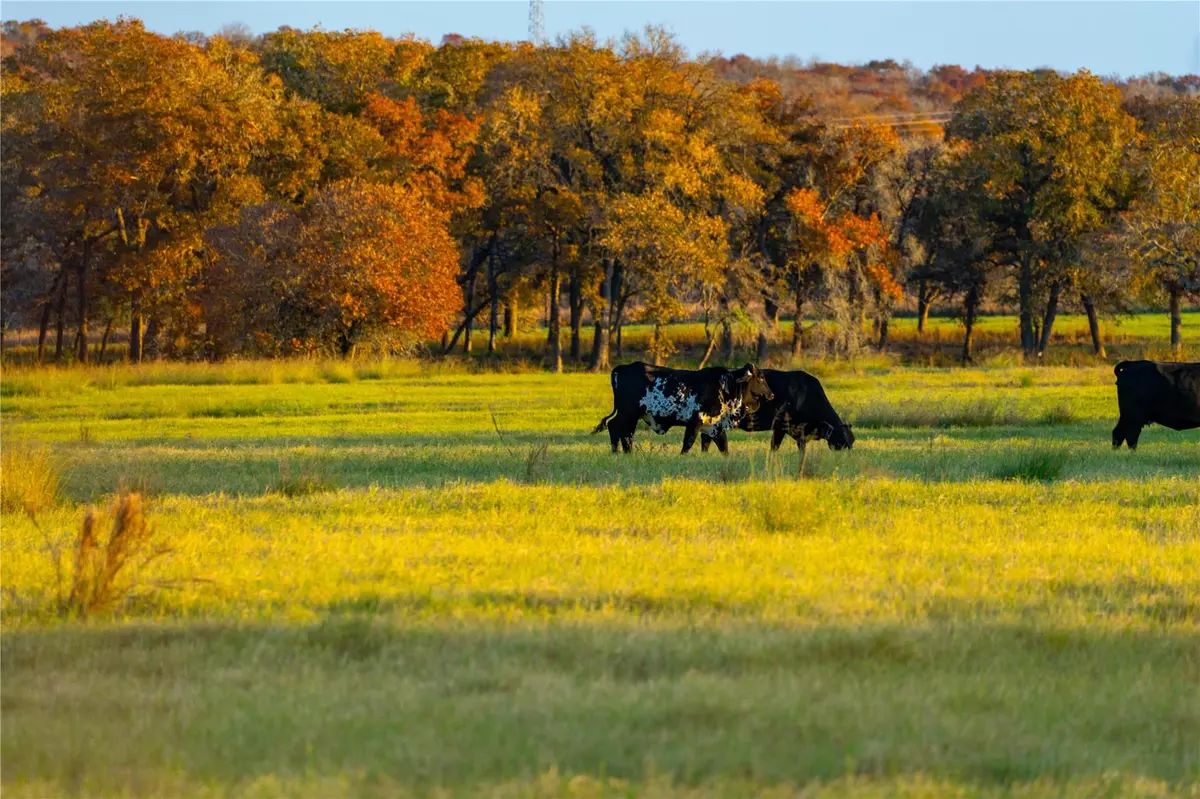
pixel 1132 432
pixel 722 440
pixel 778 432
pixel 705 440
pixel 803 445
pixel 615 428
pixel 1127 430
pixel 689 435
pixel 627 435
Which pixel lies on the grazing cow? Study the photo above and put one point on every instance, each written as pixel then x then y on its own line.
pixel 799 409
pixel 707 401
pixel 1149 392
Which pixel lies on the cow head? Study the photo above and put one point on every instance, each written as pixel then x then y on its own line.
pixel 842 437
pixel 752 386
pixel 838 436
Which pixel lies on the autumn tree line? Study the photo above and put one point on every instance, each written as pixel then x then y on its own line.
pixel 332 192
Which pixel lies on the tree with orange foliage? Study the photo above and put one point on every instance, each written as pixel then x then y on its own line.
pixel 427 152
pixel 835 232
pixel 360 263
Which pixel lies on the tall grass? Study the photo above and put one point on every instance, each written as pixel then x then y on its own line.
pixel 942 413
pixel 29 479
pixel 1040 466
pixel 299 480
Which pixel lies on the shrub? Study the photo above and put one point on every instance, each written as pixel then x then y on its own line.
pixel 29 480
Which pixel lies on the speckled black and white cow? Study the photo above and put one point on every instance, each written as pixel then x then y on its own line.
pixel 710 400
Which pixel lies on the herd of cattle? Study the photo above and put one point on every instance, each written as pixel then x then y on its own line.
pixel 709 402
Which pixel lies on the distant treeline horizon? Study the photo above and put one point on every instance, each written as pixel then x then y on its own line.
pixel 330 192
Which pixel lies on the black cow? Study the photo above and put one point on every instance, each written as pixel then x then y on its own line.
pixel 1149 392
pixel 708 401
pixel 799 409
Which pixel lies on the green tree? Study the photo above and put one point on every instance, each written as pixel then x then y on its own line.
pixel 1044 155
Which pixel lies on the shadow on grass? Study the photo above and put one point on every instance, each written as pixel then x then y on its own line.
pixel 457 704
pixel 252 466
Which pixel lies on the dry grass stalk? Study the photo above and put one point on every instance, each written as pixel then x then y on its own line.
pixel 534 457
pixel 107 570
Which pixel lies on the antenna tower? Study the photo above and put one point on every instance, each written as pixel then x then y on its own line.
pixel 537 22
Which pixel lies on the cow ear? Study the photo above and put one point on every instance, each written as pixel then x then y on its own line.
pixel 744 374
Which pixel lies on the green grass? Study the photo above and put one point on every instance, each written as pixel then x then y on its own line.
pixel 981 598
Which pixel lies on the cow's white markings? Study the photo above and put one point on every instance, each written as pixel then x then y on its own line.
pixel 725 420
pixel 679 405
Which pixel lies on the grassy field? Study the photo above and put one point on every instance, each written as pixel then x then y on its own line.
pixel 417 580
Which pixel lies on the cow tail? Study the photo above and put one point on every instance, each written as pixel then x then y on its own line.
pixel 1120 367
pixel 612 378
pixel 604 422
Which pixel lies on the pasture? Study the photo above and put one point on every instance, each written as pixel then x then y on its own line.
pixel 416 580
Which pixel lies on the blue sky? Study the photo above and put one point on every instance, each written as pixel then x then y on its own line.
pixel 1125 38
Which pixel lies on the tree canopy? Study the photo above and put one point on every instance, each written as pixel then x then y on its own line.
pixel 330 191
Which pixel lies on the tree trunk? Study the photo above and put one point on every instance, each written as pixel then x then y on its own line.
pixel 600 334
pixel 554 339
pixel 510 313
pixel 970 307
pixel 60 312
pixel 150 340
pixel 1176 320
pixel 712 342
pixel 469 302
pixel 135 328
pixel 617 292
pixel 1093 325
pixel 575 303
pixel 44 326
pixel 883 331
pixel 494 316
pixel 922 306
pixel 658 359
pixel 1025 298
pixel 468 315
pixel 726 342
pixel 771 310
pixel 81 337
pixel 1048 319
pixel 104 339
pixel 798 330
